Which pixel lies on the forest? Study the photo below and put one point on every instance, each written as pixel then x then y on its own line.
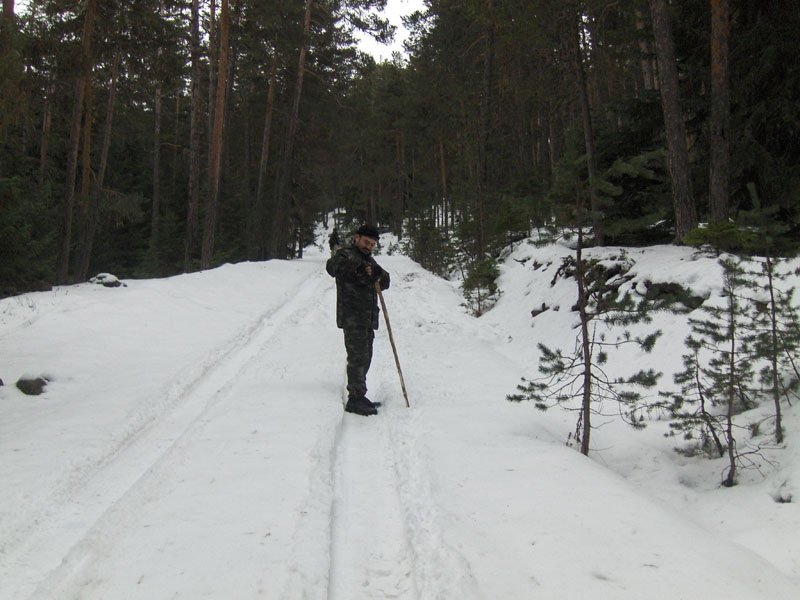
pixel 153 137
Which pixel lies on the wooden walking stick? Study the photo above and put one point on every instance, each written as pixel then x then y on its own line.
pixel 391 340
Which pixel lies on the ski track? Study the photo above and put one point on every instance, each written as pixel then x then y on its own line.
pixel 440 571
pixel 369 527
pixel 80 473
pixel 181 409
pixel 386 537
pixel 370 549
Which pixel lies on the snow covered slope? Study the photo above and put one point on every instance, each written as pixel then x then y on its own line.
pixel 192 444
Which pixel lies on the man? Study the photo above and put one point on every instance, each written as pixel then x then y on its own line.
pixel 356 274
pixel 333 241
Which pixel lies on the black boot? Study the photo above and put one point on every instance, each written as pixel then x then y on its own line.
pixel 360 406
pixel 375 404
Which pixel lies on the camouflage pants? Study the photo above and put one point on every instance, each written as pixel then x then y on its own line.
pixel 358 344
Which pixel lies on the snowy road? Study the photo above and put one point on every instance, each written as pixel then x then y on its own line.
pixel 245 478
pixel 366 487
pixel 193 445
pixel 195 468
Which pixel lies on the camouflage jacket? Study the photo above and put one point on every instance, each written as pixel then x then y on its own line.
pixel 356 298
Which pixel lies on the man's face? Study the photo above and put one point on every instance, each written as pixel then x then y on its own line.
pixel 365 244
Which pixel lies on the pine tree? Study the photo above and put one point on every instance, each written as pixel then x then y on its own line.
pixel 480 287
pixel 691 407
pixel 580 375
pixel 772 326
pixel 776 336
pixel 719 367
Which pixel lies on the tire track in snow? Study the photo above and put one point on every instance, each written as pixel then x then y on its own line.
pixel 180 413
pixel 440 571
pixel 202 374
pixel 387 533
pixel 370 552
pixel 308 562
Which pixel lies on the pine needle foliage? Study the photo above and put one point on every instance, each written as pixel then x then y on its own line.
pixel 775 336
pixel 718 377
pixel 578 380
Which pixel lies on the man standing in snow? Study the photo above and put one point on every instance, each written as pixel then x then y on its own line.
pixel 356 274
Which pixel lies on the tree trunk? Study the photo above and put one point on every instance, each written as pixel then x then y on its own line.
pixel 730 480
pixel 86 149
pixel 176 144
pixel 213 50
pixel 97 186
pixel 12 72
pixel 155 217
pixel 586 342
pixel 588 134
pixel 62 265
pixel 484 125
pixel 155 220
pixel 401 194
pixel 774 350
pixel 280 216
pixel 193 208
pixel 707 418
pixel 86 169
pixel 215 158
pixel 443 178
pixel 234 21
pixel 47 124
pixel 677 152
pixel 554 149
pixel 260 207
pixel 720 117
pixel 6 26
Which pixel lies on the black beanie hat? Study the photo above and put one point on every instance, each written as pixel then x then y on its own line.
pixel 370 231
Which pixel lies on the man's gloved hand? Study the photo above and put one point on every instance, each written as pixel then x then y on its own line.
pixel 375 271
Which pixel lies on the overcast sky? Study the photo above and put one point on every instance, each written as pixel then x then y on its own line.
pixel 395 9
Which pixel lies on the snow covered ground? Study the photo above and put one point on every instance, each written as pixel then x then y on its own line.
pixel 192 444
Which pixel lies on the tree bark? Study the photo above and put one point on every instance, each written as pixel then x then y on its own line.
pixel 443 179
pixel 85 196
pixel 155 217
pixel 586 342
pixel 260 207
pixel 193 208
pixel 280 216
pixel 730 480
pixel 484 126
pixel 774 350
pixel 649 81
pixel 62 264
pixel 47 124
pixel 401 193
pixel 176 144
pixel 588 133
pixel 720 117
pixel 86 150
pixel 6 26
pixel 215 158
pixel 155 220
pixel 677 152
pixel 97 185
pixel 213 59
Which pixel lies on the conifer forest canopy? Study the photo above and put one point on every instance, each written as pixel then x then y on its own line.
pixel 153 137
